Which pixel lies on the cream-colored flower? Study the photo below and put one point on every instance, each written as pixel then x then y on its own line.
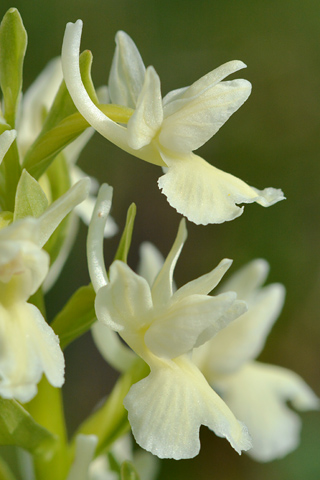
pixel 166 408
pixel 166 131
pixel 28 346
pixel 257 393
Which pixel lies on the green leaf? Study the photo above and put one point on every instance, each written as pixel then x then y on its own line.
pixel 17 427
pixel 30 198
pixel 128 472
pixel 49 144
pixel 13 43
pixel 125 242
pixel 76 317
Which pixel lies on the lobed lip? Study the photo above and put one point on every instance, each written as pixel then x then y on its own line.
pixel 166 132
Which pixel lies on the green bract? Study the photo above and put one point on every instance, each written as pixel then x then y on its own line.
pixel 17 427
pixel 76 317
pixel 30 198
pixel 13 43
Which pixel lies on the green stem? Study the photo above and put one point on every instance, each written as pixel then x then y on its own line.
pixel 47 409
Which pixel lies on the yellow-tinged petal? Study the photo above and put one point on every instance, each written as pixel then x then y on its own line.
pixel 180 325
pixel 126 73
pixel 206 283
pixel 189 122
pixel 162 287
pixel 29 348
pixel 167 408
pixel 148 115
pixel 125 302
pixel 205 194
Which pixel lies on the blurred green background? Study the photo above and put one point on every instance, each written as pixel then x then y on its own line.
pixel 273 140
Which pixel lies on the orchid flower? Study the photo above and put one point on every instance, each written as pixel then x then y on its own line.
pixel 257 393
pixel 36 103
pixel 166 408
pixel 166 131
pixel 29 346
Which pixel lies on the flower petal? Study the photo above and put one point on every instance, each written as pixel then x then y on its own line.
pixel 179 327
pixel 85 210
pixel 166 409
pixel 147 118
pixel 112 348
pixel 163 284
pixel 151 261
pixel 125 302
pixel 248 279
pixel 23 265
pixel 29 348
pixel 257 394
pixel 191 122
pixel 59 209
pixel 244 338
pixel 73 150
pixel 206 283
pixel 127 72
pixel 97 270
pixel 204 83
pixel 205 194
pixel 57 265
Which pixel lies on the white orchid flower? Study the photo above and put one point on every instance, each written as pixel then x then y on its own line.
pixel 257 393
pixel 166 131
pixel 166 408
pixel 36 102
pixel 29 346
